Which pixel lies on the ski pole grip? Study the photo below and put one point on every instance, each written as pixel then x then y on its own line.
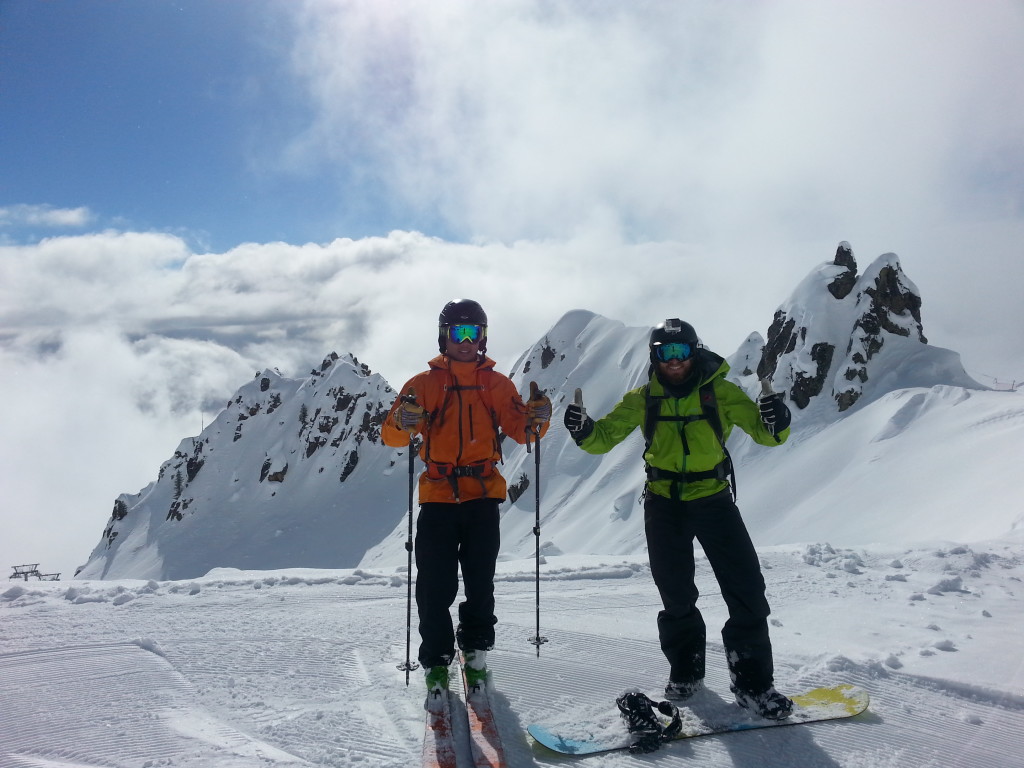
pixel 578 401
pixel 766 388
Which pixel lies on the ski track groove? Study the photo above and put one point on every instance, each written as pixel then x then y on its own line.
pixel 124 673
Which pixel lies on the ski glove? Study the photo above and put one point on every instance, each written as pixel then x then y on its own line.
pixel 538 407
pixel 774 413
pixel 577 422
pixel 408 415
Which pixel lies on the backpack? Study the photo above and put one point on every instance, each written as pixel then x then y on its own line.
pixel 709 412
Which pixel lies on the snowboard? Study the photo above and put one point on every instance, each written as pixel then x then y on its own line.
pixel 704 715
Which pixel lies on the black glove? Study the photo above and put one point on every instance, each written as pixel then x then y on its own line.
pixel 774 413
pixel 577 422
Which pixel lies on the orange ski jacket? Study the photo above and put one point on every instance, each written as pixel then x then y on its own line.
pixel 467 404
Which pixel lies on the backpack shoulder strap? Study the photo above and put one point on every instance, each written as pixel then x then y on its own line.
pixel 709 405
pixel 709 412
pixel 652 410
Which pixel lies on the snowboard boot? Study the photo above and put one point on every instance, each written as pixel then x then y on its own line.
pixel 769 704
pixel 681 691
pixel 474 666
pixel 437 680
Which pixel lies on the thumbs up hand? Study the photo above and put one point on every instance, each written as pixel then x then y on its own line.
pixel 576 420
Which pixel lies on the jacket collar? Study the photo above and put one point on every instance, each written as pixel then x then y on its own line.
pixel 708 366
pixel 445 363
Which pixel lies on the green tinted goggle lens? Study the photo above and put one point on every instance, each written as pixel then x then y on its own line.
pixel 461 333
pixel 666 352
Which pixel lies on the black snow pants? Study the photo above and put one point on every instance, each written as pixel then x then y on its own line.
pixel 715 522
pixel 450 536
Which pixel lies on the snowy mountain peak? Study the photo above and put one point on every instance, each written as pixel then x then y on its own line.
pixel 292 472
pixel 854 338
pixel 282 477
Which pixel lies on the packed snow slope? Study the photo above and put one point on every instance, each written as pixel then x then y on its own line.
pixel 298 667
pixel 293 474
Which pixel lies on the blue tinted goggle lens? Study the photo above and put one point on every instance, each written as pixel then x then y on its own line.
pixel 666 352
pixel 461 333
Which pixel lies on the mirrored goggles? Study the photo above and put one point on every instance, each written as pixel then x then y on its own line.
pixel 462 332
pixel 666 352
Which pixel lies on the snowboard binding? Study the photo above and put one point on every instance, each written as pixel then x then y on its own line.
pixel 643 723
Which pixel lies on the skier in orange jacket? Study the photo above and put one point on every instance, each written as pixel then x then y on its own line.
pixel 459 405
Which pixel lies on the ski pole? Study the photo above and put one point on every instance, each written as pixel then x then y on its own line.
pixel 409 665
pixel 537 640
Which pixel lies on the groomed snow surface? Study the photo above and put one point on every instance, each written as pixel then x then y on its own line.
pixel 298 667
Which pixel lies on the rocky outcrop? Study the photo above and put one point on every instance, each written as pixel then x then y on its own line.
pixel 302 456
pixel 844 282
pixel 841 331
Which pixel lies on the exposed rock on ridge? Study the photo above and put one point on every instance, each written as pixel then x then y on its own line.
pixel 303 457
pixel 839 330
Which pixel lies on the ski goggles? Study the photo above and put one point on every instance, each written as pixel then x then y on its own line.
pixel 675 351
pixel 464 332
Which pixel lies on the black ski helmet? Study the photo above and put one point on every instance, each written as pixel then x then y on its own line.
pixel 459 311
pixel 672 331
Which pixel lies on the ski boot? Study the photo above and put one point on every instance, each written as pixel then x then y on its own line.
pixel 437 680
pixel 474 665
pixel 769 704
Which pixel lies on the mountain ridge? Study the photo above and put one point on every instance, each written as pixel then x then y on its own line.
pixel 292 472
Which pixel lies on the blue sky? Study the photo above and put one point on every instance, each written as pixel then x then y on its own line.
pixel 170 116
pixel 260 120
pixel 194 190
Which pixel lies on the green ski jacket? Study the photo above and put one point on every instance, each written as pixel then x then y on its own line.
pixel 688 445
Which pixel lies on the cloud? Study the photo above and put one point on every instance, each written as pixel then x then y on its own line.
pixel 692 121
pixel 88 418
pixel 288 305
pixel 44 216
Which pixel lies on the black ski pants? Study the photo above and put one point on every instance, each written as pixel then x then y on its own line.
pixel 450 537
pixel 715 522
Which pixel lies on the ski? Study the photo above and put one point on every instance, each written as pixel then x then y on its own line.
pixel 484 739
pixel 438 739
pixel 705 715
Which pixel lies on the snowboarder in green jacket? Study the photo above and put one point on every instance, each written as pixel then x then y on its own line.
pixel 686 412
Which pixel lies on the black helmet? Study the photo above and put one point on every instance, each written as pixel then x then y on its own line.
pixel 459 311
pixel 672 331
pixel 462 311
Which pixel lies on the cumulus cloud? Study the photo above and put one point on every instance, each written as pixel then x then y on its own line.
pixel 686 121
pixel 288 305
pixel 44 216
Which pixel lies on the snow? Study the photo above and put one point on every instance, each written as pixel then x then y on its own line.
pixel 299 666
pixel 890 536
